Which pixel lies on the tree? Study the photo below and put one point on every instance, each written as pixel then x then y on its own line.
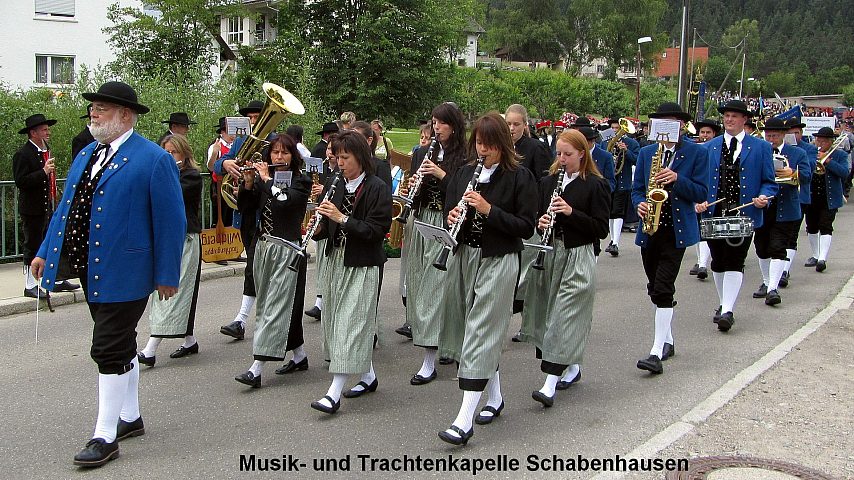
pixel 620 24
pixel 528 29
pixel 848 95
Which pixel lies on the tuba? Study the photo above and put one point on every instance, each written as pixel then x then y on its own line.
pixel 626 126
pixel 823 158
pixel 279 104
pixel 656 195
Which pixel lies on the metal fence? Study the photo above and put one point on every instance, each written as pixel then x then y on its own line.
pixel 12 235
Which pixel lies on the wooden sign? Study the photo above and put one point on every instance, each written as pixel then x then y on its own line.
pixel 221 243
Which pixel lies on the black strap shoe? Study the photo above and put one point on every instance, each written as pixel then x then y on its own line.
pixel 668 351
pixel 419 380
pixel 694 269
pixel 615 250
pixel 517 338
pixel 129 429
pixel 248 378
pixel 726 321
pixel 147 361
pixel 784 280
pixel 234 329
pixel 651 364
pixel 446 361
pixel 773 298
pixel 36 292
pixel 292 367
pixel 314 313
pixel 462 439
pixel 96 453
pixel 811 262
pixel 761 292
pixel 543 398
pixel 482 419
pixel 352 393
pixel 820 266
pixel 405 330
pixel 318 405
pixel 184 351
pixel 562 385
pixel 702 273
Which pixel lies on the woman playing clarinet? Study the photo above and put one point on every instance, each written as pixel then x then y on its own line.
pixel 280 290
pixel 574 205
pixel 499 213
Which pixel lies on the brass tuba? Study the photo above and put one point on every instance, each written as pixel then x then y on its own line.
pixel 626 126
pixel 656 195
pixel 279 104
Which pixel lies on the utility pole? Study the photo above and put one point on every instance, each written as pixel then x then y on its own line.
pixel 683 56
pixel 743 61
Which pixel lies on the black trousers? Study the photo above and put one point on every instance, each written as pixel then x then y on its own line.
pixel 773 237
pixel 35 228
pixel 793 237
pixel 661 261
pixel 114 332
pixel 820 218
pixel 619 201
pixel 549 368
pixel 728 254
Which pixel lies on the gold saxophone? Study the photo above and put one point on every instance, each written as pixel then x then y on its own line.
pixel 656 195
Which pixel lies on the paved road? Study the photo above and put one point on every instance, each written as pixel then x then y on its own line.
pixel 199 420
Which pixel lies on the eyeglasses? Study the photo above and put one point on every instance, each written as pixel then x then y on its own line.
pixel 102 108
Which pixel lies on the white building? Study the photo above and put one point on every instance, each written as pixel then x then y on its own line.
pixel 468 56
pixel 45 42
pixel 252 31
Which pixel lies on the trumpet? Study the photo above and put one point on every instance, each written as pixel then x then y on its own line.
pixel 302 253
pixel 419 178
pixel 689 128
pixel 442 260
pixel 823 157
pixel 548 233
pixel 626 127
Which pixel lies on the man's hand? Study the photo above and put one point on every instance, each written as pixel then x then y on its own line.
pixel 230 166
pixel 37 267
pixel 701 207
pixel 760 202
pixel 49 167
pixel 643 208
pixel 666 176
pixel 165 293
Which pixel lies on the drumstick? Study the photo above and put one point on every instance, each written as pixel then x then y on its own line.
pixel 716 202
pixel 742 206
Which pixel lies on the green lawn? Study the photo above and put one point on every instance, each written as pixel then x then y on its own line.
pixel 403 140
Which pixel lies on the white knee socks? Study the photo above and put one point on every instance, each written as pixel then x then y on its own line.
pixel 824 246
pixel 813 238
pixel 550 385
pixel 790 254
pixel 719 285
pixel 464 418
pixel 703 254
pixel 765 267
pixel 617 231
pixel 299 354
pixel 335 389
pixel 493 389
pixel 570 373
pixel 245 307
pixel 130 405
pixel 257 367
pixel 663 317
pixel 732 284
pixel 151 347
pixel 29 280
pixel 776 273
pixel 429 364
pixel 111 394
pixel 318 302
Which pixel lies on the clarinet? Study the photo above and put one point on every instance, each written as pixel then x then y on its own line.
pixel 315 221
pixel 442 260
pixel 419 178
pixel 548 233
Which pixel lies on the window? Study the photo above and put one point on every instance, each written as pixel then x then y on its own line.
pixel 58 8
pixel 261 29
pixel 54 69
pixel 235 31
pixel 600 68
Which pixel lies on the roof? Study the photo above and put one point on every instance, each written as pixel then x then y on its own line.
pixel 668 61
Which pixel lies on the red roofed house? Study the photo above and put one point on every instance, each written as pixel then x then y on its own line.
pixel 667 64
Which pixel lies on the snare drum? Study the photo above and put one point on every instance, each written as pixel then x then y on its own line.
pixel 725 227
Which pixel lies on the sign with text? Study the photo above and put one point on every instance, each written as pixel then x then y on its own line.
pixel 313 165
pixel 814 124
pixel 238 126
pixel 664 130
pixel 221 243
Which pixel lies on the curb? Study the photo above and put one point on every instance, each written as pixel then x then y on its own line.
pixel 723 395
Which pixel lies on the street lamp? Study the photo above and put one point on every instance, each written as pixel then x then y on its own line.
pixel 641 41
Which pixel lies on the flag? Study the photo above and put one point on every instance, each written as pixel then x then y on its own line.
pixel 794 112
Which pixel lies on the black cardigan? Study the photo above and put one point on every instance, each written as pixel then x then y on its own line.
pixel 191 188
pixel 80 142
pixel 535 156
pixel 287 214
pixel 32 182
pixel 590 200
pixel 511 219
pixel 449 165
pixel 367 225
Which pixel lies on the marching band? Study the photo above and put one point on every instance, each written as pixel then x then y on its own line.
pixel 521 223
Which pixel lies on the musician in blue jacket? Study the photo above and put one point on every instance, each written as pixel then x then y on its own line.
pixel 796 127
pixel 684 174
pixel 827 198
pixel 120 228
pixel 782 216
pixel 628 148
pixel 742 175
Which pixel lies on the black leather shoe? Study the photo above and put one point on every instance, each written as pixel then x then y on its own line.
pixel 35 292
pixel 702 273
pixel 147 361
pixel 323 408
pixel 784 280
pixel 615 251
pixel 314 313
pixel 761 292
pixel 96 453
pixel 65 286
pixel 365 389
pixel 811 262
pixel 725 321
pixel 610 247
pixel 651 364
pixel 234 329
pixel 668 351
pixel 184 351
pixel 562 385
pixel 248 378
pixel 462 439
pixel 717 317
pixel 694 269
pixel 405 330
pixel 543 398
pixel 419 380
pixel 292 367
pixel 518 337
pixel 773 298
pixel 482 419
pixel 446 361
pixel 820 266
pixel 129 429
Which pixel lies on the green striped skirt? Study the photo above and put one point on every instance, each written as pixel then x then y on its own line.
pixel 320 255
pixel 275 286
pixel 349 314
pixel 528 256
pixel 475 334
pixel 169 318
pixel 559 304
pixel 426 285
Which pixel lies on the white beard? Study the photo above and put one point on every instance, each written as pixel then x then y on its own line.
pixel 107 130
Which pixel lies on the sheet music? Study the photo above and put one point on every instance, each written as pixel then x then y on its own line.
pixel 664 130
pixel 436 234
pixel 238 126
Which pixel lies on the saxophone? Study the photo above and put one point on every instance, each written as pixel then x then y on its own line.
pixel 655 193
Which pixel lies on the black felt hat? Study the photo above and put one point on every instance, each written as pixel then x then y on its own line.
pixel 709 123
pixel 671 109
pixel 88 112
pixel 255 106
pixel 328 127
pixel 34 121
pixel 179 118
pixel 118 93
pixel 795 122
pixel 589 133
pixel 775 123
pixel 580 122
pixel 735 106
pixel 825 132
pixel 221 126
